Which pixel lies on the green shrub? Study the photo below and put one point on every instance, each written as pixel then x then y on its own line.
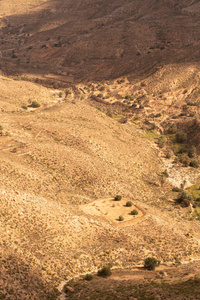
pixel 192 151
pixel 88 277
pixel 24 107
pixel 134 104
pixel 165 174
pixel 150 263
pixel 168 154
pixel 35 104
pixel 100 95
pixel 183 114
pixel 176 189
pixel 161 142
pixel 181 136
pixel 184 159
pixel 134 212
pixel 118 197
pixel 193 103
pixel 129 203
pixel 104 272
pixel 109 113
pixel 121 218
pixel 194 163
pixel 185 198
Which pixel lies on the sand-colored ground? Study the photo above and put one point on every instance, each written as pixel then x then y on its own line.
pixel 111 210
pixel 61 166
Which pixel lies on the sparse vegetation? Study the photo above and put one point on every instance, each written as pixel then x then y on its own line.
pixel 134 212
pixel 185 198
pixel 34 104
pixel 118 197
pixel 151 263
pixel 181 136
pixel 105 272
pixel 88 277
pixel 161 141
pixel 129 203
pixel 177 190
pixel 194 163
pixel 100 95
pixel 121 218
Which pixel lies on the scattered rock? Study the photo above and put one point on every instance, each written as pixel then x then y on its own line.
pixel 67 289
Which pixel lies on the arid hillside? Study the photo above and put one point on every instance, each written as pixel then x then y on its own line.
pixel 98 39
pixel 99 148
pixel 63 159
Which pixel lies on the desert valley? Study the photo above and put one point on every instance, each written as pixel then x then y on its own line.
pixel 99 149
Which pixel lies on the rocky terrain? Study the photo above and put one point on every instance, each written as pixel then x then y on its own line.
pixel 90 110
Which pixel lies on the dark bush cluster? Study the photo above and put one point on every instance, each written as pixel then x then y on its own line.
pixel 181 136
pixel 118 197
pixel 150 263
pixel 105 272
pixel 34 104
pixel 185 198
pixel 134 212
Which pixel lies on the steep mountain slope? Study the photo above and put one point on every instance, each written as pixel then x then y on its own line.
pixel 61 166
pixel 101 39
pixel 67 149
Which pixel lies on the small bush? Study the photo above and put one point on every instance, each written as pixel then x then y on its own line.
pixel 59 44
pixel 168 154
pixel 161 142
pixel 165 174
pixel 194 163
pixel 118 197
pixel 88 277
pixel 35 104
pixel 150 263
pixel 134 212
pixel 129 203
pixel 24 107
pixel 104 272
pixel 193 103
pixel 177 190
pixel 100 95
pixel 181 136
pixel 184 159
pixel 192 151
pixel 121 218
pixel 109 113
pixel 185 198
pixel 183 114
